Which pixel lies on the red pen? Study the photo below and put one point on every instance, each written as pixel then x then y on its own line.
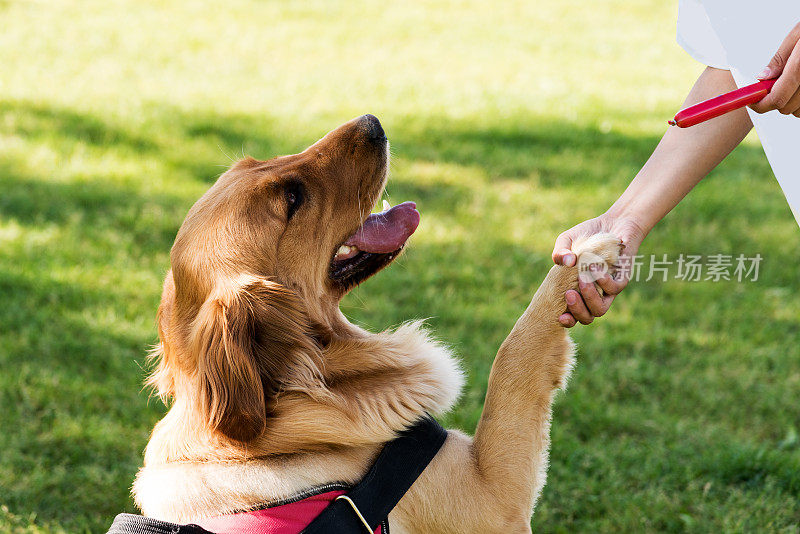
pixel 722 104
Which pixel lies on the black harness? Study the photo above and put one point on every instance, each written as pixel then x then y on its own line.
pixel 359 511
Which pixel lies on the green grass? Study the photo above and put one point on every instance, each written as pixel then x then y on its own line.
pixel 509 122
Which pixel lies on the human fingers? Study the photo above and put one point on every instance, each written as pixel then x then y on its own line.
pixel 577 307
pixel 567 320
pixel 596 303
pixel 610 286
pixel 562 255
pixel 785 65
pixel 793 106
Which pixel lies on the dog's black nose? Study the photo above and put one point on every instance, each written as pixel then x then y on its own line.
pixel 373 128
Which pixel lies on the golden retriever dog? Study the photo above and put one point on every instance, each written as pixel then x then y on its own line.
pixel 272 390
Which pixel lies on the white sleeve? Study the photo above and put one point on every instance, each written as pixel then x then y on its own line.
pixel 697 36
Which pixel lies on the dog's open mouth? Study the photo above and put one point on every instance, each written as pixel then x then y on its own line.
pixel 375 244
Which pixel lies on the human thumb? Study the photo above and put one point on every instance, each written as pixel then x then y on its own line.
pixel 562 255
pixel 778 62
pixel 774 69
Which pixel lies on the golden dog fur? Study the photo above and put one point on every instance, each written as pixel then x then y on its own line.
pixel 273 391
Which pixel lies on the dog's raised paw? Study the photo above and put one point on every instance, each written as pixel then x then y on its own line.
pixel 596 254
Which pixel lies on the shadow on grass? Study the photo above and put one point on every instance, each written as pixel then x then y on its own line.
pixel 52 328
pixel 100 207
pixel 36 121
pixel 71 389
pixel 556 154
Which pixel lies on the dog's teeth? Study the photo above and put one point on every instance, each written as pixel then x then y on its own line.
pixel 386 205
pixel 345 252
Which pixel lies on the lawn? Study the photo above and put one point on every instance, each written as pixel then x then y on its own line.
pixel 509 123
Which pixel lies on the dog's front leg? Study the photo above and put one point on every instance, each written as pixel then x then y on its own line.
pixel 491 483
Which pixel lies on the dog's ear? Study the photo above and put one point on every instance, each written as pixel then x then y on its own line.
pixel 162 377
pixel 251 338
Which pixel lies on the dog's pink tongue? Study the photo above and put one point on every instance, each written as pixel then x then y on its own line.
pixel 388 230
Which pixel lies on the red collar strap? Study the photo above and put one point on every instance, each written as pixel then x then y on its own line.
pixel 327 509
pixel 288 517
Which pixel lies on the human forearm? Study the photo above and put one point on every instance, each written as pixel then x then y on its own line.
pixel 681 160
pixel 683 157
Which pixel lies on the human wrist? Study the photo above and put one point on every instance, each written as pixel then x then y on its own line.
pixel 636 221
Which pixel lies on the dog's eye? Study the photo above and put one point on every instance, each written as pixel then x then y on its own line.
pixel 294 195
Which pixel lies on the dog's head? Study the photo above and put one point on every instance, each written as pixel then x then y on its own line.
pixel 258 269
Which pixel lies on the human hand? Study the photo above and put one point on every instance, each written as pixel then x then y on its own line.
pixel 589 303
pixel 785 65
